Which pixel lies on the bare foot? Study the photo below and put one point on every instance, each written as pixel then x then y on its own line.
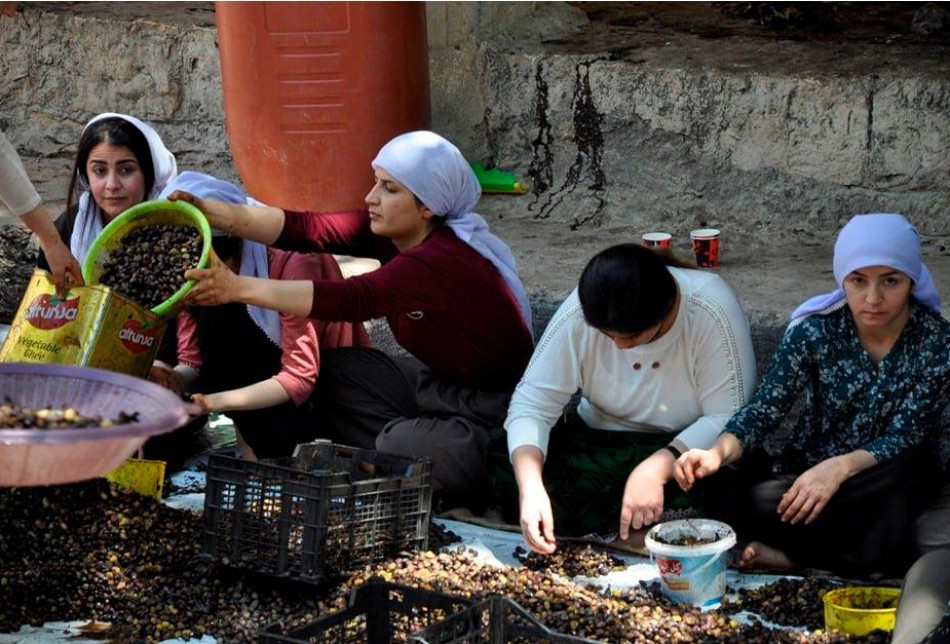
pixel 758 556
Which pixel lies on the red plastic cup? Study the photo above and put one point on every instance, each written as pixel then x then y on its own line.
pixel 653 240
pixel 706 247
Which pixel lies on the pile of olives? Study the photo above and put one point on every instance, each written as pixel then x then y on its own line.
pixel 149 266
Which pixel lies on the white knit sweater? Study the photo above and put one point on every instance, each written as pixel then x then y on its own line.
pixel 687 383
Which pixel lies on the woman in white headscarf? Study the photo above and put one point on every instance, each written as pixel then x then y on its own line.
pixel 448 287
pixel 872 359
pixel 120 162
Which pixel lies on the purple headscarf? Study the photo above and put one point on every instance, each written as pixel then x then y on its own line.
pixel 876 240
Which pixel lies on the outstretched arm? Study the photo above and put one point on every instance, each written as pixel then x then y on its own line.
pixel 260 395
pixel 64 267
pixel 537 519
pixel 217 284
pixel 699 463
pixel 19 195
pixel 257 223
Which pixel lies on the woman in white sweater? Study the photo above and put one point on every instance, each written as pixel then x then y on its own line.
pixel 661 356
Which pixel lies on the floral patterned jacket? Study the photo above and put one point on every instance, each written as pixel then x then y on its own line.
pixel 850 402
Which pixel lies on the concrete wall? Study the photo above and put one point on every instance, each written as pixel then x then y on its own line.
pixel 774 142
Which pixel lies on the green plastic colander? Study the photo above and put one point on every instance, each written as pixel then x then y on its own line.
pixel 149 213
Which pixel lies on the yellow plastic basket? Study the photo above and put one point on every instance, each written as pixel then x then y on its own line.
pixel 862 609
pixel 149 213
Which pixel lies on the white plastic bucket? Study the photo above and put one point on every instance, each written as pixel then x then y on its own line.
pixel 694 575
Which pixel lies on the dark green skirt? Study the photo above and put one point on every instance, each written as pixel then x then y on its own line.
pixel 585 475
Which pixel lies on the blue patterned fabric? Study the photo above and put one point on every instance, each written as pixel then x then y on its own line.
pixel 851 403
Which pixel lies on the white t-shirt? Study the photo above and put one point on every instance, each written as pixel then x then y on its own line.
pixel 16 190
pixel 687 383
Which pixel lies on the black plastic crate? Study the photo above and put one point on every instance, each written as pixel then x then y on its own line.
pixel 496 620
pixel 318 515
pixel 379 613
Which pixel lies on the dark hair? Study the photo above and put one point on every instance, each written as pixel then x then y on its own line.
pixel 627 288
pixel 117 132
pixel 226 247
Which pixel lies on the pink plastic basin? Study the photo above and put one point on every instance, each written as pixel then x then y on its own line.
pixel 31 457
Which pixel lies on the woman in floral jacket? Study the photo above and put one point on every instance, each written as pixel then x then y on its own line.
pixel 873 361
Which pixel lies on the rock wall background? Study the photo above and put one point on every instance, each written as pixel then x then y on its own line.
pixel 775 142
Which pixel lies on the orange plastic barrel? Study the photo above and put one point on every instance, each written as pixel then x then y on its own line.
pixel 312 90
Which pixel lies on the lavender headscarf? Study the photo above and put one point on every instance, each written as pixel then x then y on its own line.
pixel 253 254
pixel 435 171
pixel 876 240
pixel 89 217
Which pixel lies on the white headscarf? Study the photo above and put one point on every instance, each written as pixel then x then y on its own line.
pixel 89 217
pixel 876 240
pixel 253 254
pixel 435 171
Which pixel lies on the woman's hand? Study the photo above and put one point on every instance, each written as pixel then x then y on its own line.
pixel 194 200
pixel 811 491
pixel 643 495
pixel 64 267
pixel 167 377
pixel 212 214
pixel 257 223
pixel 202 402
pixel 215 285
pixel 696 464
pixel 537 519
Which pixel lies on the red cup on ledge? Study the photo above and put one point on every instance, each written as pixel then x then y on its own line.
pixel 706 247
pixel 654 240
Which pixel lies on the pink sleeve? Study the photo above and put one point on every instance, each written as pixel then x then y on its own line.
pixel 188 351
pixel 300 358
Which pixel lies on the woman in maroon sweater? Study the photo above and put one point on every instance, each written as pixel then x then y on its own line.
pixel 448 288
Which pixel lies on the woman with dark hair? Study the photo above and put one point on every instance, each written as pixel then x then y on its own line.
pixel 872 361
pixel 448 288
pixel 661 356
pixel 120 162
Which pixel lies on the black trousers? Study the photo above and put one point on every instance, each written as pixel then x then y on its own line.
pixel 933 524
pixel 866 527
pixel 366 398
pixel 274 432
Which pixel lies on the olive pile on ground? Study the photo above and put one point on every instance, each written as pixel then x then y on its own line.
pixel 571 560
pixel 149 266
pixel 93 551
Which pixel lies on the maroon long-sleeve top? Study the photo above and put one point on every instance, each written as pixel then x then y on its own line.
pixel 445 303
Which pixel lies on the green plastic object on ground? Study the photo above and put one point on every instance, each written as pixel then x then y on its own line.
pixel 498 181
